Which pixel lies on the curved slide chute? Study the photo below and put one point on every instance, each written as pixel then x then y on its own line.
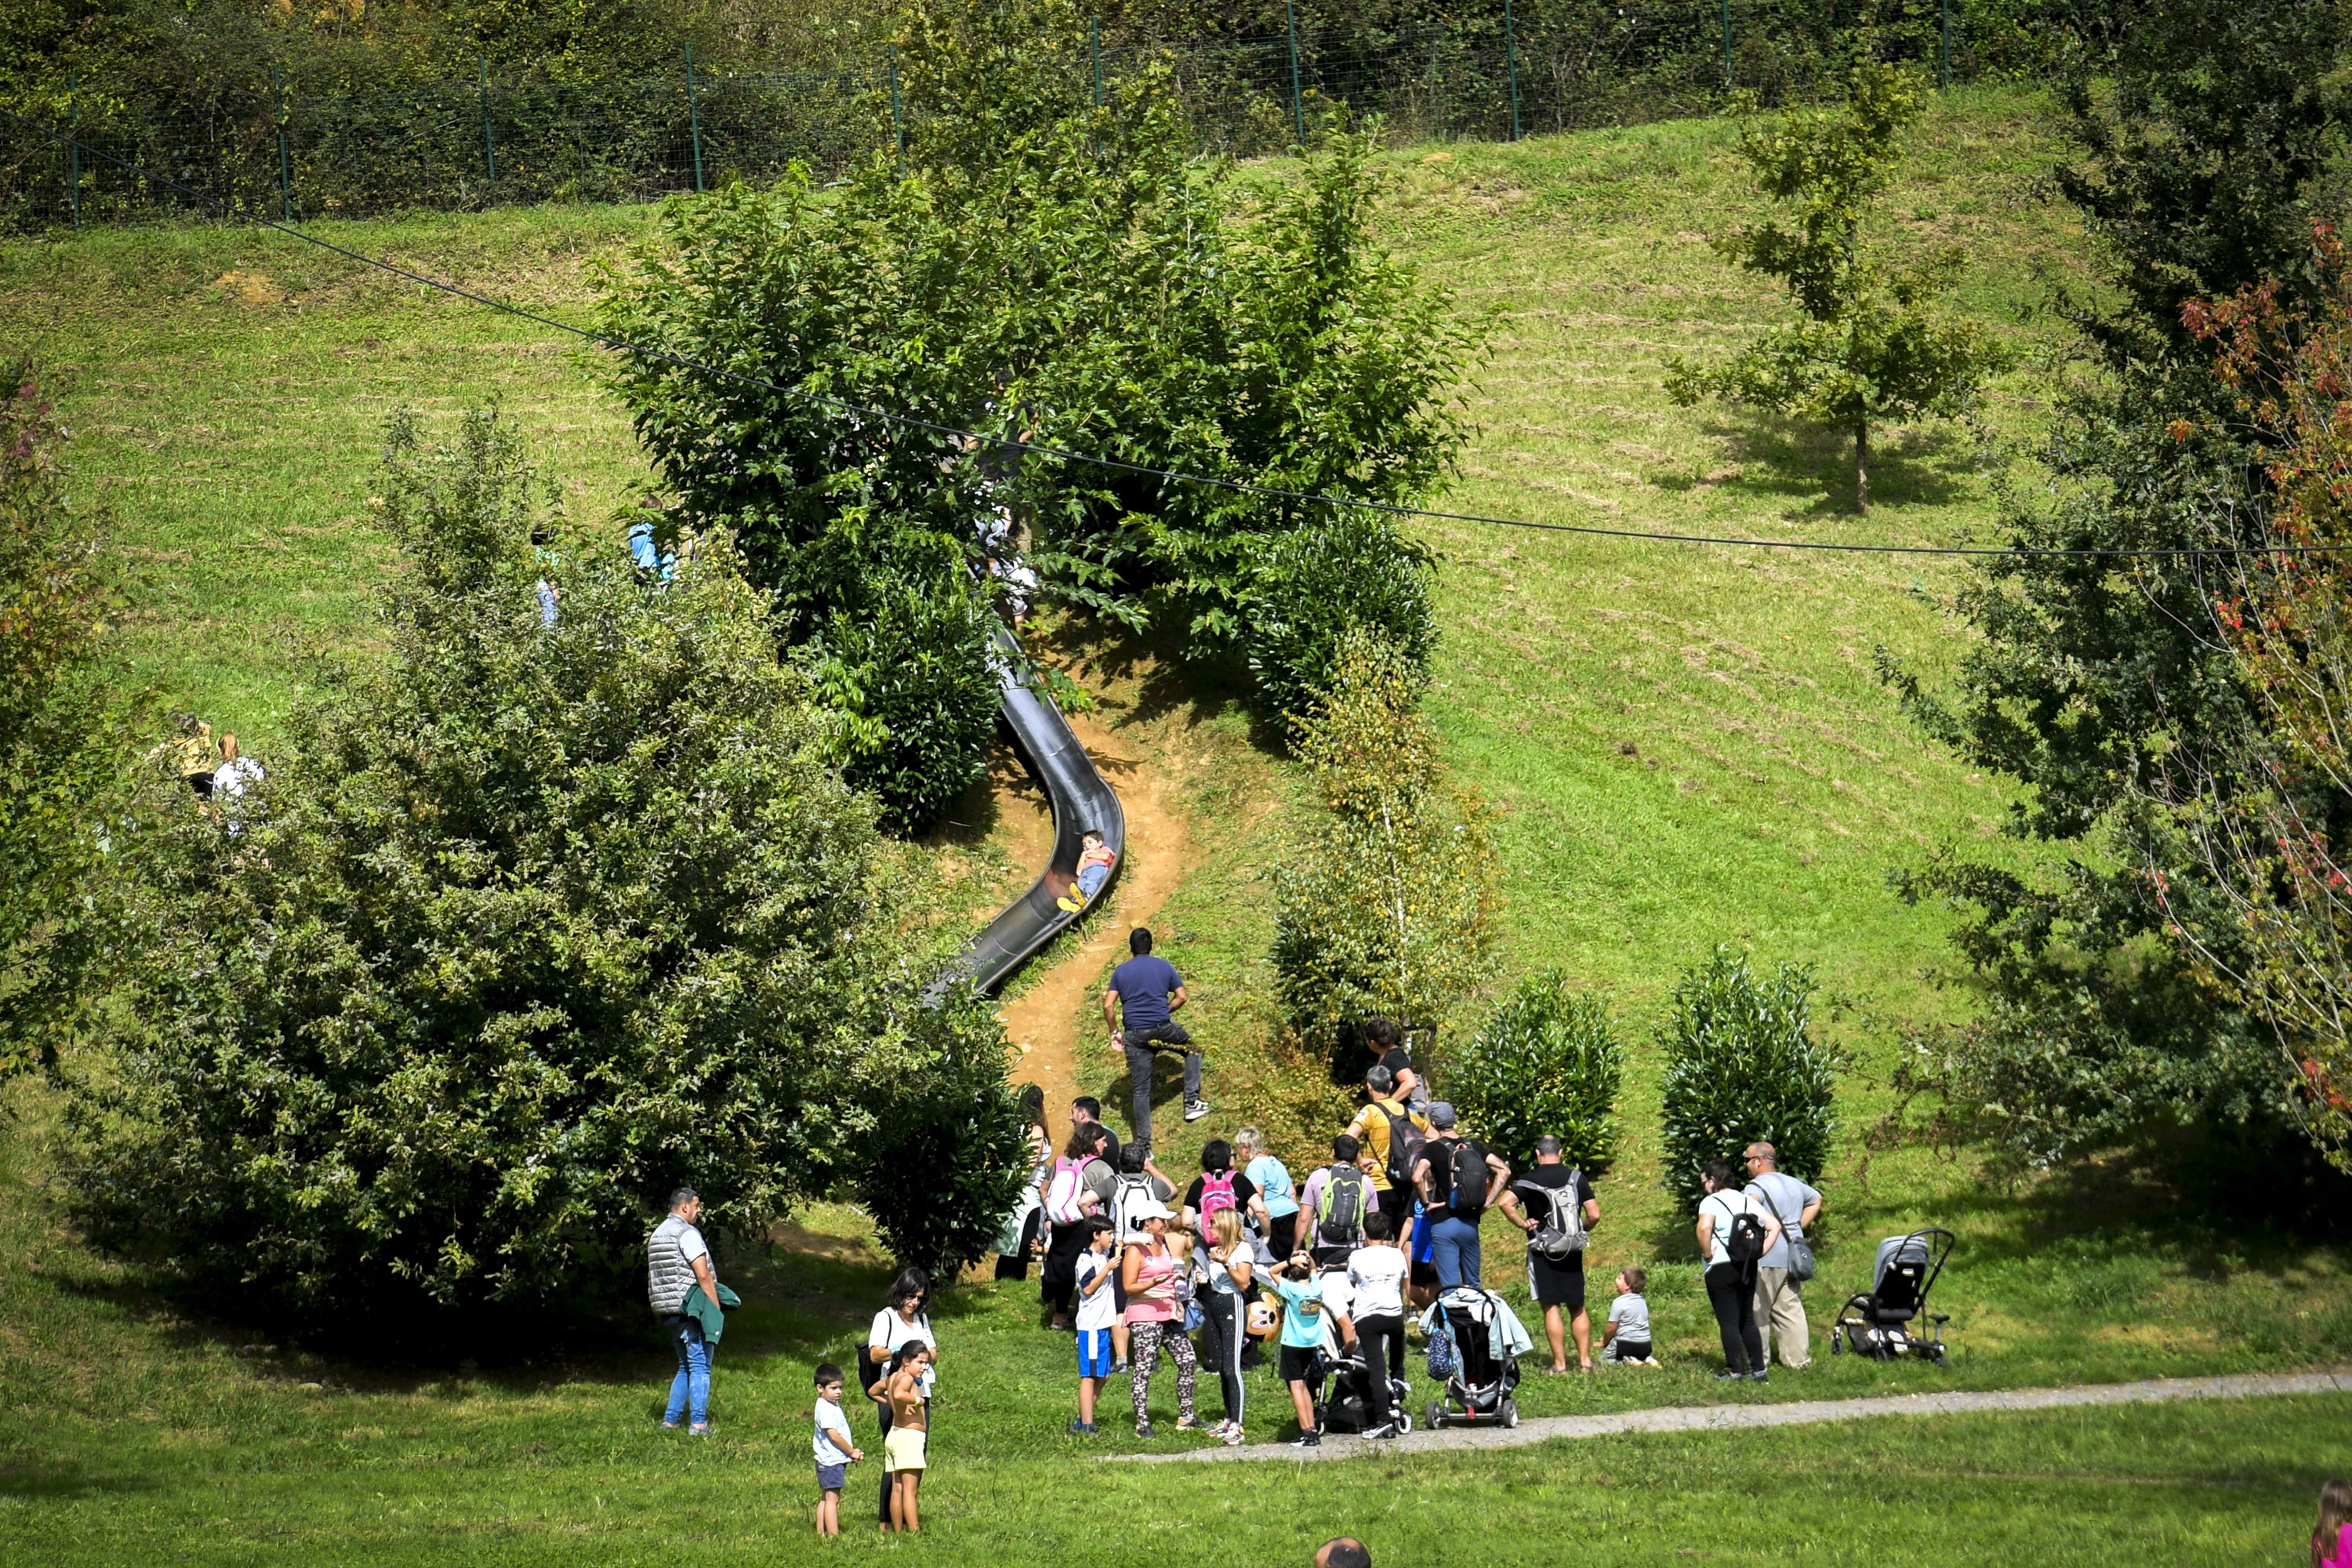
pixel 1082 801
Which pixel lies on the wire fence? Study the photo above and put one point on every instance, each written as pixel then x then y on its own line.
pixel 270 147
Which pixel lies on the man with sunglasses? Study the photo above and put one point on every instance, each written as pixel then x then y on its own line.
pixel 1780 1302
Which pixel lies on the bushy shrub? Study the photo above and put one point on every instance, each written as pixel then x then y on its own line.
pixel 1385 900
pixel 1315 584
pixel 528 924
pixel 1546 1061
pixel 1742 1067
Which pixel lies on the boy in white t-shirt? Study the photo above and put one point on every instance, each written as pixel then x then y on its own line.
pixel 836 1450
pixel 1097 1309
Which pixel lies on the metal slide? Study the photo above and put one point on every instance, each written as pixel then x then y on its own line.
pixel 1081 801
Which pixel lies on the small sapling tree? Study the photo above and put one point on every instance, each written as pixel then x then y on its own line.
pixel 1873 341
pixel 1742 1067
pixel 1546 1061
pixel 1385 900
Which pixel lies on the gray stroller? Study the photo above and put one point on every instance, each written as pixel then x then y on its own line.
pixel 1877 1323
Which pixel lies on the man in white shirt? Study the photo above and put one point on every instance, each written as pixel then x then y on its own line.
pixel 1376 1275
pixel 1780 1303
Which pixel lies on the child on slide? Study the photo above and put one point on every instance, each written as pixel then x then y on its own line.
pixel 1094 861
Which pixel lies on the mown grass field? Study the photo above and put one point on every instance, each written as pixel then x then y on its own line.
pixel 1685 745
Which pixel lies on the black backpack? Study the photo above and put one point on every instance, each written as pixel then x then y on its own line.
pixel 1465 1192
pixel 1405 1147
pixel 1744 1242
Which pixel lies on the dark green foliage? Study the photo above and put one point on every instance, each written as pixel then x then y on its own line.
pixel 1546 1061
pixel 528 925
pixel 2205 139
pixel 1049 270
pixel 1742 1067
pixel 1316 584
pixel 65 731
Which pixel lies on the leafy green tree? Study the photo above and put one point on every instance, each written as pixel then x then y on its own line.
pixel 65 733
pixel 1385 900
pixel 1547 1060
pixel 2203 143
pixel 1047 274
pixel 1742 1067
pixel 1873 341
pixel 1316 584
pixel 529 924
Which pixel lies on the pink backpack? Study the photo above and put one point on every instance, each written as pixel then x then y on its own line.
pixel 1067 1197
pixel 1216 1192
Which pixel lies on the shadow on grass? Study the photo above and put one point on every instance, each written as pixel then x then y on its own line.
pixel 1786 458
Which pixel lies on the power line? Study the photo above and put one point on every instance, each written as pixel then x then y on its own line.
pixel 1178 476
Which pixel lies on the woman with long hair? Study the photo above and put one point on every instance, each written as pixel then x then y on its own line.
pixel 1731 1284
pixel 1031 1216
pixel 2331 1543
pixel 902 1323
pixel 1148 1273
pixel 1227 1264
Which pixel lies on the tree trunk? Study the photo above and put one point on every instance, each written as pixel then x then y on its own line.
pixel 1862 466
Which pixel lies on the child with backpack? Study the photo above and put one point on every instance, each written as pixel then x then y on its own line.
pixel 1333 1203
pixel 1220 1187
pixel 1735 1231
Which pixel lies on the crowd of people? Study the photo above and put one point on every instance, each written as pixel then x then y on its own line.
pixel 1242 1265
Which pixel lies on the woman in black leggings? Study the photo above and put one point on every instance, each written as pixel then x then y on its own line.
pixel 1731 1286
pixel 1226 1302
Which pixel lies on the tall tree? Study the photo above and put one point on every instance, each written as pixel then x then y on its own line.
pixel 1872 341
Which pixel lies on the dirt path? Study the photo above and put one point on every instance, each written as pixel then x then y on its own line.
pixel 1720 1418
pixel 1053 1024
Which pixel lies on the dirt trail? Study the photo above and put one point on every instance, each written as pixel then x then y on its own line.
pixel 1044 1021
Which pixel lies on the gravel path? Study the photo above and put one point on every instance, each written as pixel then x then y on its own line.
pixel 1718 1417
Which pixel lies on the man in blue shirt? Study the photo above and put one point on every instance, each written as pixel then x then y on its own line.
pixel 1148 991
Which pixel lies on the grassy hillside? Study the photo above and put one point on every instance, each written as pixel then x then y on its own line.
pixel 1687 745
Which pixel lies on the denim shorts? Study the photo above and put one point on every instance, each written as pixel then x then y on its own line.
pixel 829 1478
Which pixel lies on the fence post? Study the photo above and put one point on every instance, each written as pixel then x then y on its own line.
pixel 1511 64
pixel 898 125
pixel 73 143
pixel 694 117
pixel 284 173
pixel 1727 43
pixel 1297 104
pixel 1947 43
pixel 489 144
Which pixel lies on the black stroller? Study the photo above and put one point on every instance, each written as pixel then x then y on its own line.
pixel 1349 1407
pixel 1478 1386
pixel 1877 1323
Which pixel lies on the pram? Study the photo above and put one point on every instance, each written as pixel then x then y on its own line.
pixel 1350 1409
pixel 1876 1322
pixel 1464 1329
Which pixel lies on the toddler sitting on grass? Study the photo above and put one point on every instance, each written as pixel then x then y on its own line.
pixel 1625 1337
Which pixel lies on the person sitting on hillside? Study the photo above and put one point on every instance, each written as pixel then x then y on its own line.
pixel 237 773
pixel 1094 861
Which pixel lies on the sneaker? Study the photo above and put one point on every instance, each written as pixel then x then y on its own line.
pixel 1307 1440
pixel 1234 1437
pixel 1728 1376
pixel 1072 905
pixel 1191 1423
pixel 1118 1366
pixel 1760 1376
pixel 1143 1428
pixel 1195 1109
pixel 1082 1428
pixel 1388 1431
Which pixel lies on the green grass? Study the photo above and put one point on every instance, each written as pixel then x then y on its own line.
pixel 1687 745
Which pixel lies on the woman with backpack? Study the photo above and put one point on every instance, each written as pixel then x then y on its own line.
pixel 1734 1232
pixel 1220 1187
pixel 1073 1193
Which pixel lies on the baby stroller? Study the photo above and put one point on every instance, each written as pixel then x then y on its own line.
pixel 1463 1329
pixel 1350 1409
pixel 1876 1324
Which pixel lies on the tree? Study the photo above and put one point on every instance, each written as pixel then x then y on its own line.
pixel 1385 900
pixel 65 733
pixel 1742 1067
pixel 529 924
pixel 1545 1062
pixel 1047 274
pixel 2201 146
pixel 2265 822
pixel 1872 341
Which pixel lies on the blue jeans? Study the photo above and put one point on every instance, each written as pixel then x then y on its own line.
pixel 1091 880
pixel 1453 1251
pixel 693 1379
